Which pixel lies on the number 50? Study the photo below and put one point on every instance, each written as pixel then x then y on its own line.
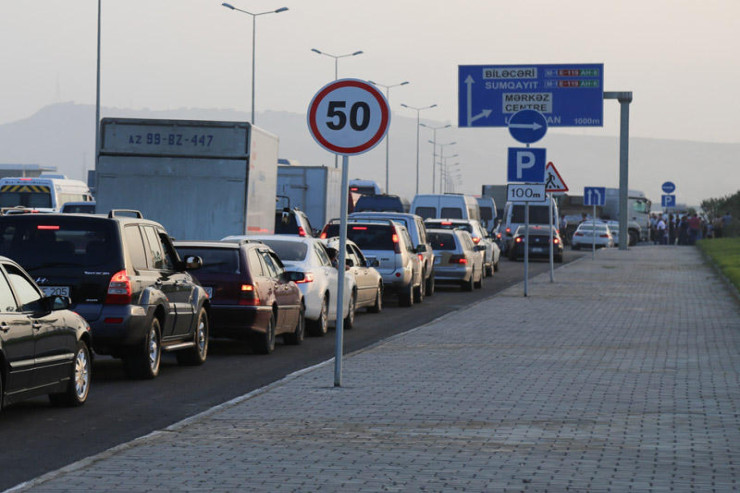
pixel 358 120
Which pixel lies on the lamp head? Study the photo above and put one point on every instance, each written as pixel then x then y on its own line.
pixel 228 6
pixel 281 9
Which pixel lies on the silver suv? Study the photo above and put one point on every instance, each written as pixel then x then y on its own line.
pixel 389 243
pixel 491 253
pixel 418 233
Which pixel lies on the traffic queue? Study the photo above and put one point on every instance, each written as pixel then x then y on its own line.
pixel 118 284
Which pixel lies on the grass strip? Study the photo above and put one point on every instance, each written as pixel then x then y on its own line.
pixel 725 252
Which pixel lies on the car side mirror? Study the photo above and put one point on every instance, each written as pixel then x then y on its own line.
pixel 372 263
pixel 193 262
pixel 421 248
pixel 291 275
pixel 60 303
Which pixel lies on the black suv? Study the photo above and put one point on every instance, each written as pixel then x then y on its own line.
pixel 123 276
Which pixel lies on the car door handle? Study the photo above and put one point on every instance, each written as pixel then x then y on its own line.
pixel 4 327
pixel 36 325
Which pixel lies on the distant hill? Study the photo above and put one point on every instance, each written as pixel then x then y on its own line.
pixel 63 135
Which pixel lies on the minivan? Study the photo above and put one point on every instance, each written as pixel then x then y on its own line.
pixel 514 217
pixel 446 206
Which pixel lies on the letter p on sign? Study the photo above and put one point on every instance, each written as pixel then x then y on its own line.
pixel 527 164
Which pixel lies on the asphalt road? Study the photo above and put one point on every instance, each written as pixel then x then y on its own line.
pixel 37 438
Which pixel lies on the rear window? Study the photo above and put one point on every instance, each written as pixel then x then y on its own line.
pixel 426 212
pixel 379 203
pixel 285 224
pixel 367 236
pixel 452 212
pixel 442 241
pixel 215 260
pixel 538 214
pixel 287 250
pixel 442 225
pixel 38 242
pixel 486 213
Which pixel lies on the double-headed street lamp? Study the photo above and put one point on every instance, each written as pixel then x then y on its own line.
pixel 418 110
pixel 336 76
pixel 441 164
pixel 434 153
pixel 254 31
pixel 445 173
pixel 388 135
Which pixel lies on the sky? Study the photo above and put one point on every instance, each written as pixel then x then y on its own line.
pixel 678 57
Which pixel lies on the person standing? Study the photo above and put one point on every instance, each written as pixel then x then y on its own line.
pixel 694 228
pixel 660 229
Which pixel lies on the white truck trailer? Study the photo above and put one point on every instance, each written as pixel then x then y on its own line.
pixel 202 180
pixel 316 190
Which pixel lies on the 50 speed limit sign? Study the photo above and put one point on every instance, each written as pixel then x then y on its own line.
pixel 348 116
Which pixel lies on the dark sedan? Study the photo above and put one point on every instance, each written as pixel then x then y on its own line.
pixel 44 347
pixel 251 294
pixel 539 243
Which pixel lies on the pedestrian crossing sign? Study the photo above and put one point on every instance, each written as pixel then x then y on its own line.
pixel 553 181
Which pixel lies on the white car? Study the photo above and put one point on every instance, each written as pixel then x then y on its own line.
pixel 313 272
pixel 589 233
pixel 492 252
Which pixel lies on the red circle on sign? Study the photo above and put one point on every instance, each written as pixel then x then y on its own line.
pixel 359 149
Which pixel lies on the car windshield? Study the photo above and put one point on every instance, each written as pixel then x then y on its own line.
pixel 441 241
pixel 290 251
pixel 215 260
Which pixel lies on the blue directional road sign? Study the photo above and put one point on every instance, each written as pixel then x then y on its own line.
pixel 668 187
pixel 527 164
pixel 569 95
pixel 668 201
pixel 594 196
pixel 528 126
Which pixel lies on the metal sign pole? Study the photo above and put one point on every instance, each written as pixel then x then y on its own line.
pixel 526 249
pixel 340 274
pixel 593 234
pixel 552 246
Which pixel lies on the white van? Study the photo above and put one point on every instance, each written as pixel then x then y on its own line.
pixel 513 217
pixel 46 193
pixel 446 206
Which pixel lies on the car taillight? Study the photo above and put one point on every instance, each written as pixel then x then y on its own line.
pixel 578 234
pixel 396 243
pixel 508 231
pixel 307 277
pixel 518 239
pixel 446 223
pixel 119 289
pixel 248 295
pixel 301 231
pixel 323 235
pixel 421 257
pixel 458 259
pixel 555 241
pixel 604 236
pixel 476 239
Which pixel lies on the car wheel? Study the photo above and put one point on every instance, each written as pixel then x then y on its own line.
pixel 489 270
pixel 378 306
pixel 144 360
pixel 468 285
pixel 407 298
pixel 479 283
pixel 321 326
pixel 633 238
pixel 296 337
pixel 495 267
pixel 419 292
pixel 265 343
pixel 197 354
pixel 79 383
pixel 430 285
pixel 575 247
pixel 349 320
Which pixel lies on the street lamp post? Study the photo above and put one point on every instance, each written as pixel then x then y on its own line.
pixel 441 157
pixel 254 34
pixel 336 76
pixel 418 111
pixel 434 153
pixel 97 103
pixel 445 172
pixel 388 135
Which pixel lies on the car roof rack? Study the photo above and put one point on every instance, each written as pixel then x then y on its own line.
pixel 122 212
pixel 242 241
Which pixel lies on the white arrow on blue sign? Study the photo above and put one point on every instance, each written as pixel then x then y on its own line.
pixel 594 196
pixel 527 164
pixel 669 187
pixel 527 126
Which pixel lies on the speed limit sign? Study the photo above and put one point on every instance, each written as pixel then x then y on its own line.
pixel 348 117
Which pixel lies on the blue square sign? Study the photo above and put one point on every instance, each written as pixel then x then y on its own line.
pixel 527 164
pixel 594 196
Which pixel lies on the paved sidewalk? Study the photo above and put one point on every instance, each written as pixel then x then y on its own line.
pixel 620 376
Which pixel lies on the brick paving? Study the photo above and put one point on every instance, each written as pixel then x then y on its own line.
pixel 622 375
